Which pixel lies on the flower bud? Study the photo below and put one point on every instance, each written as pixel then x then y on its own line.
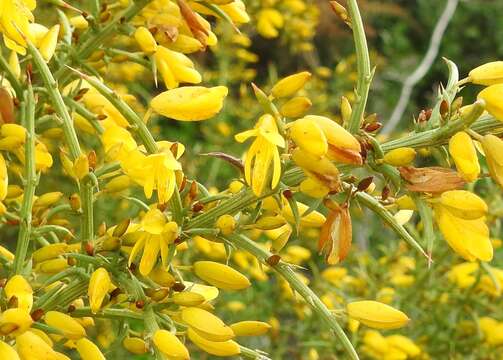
pixel 81 166
pixel 463 152
pixel 313 219
pixel 145 40
pixel 50 251
pixel 403 156
pixel 99 284
pixel 170 345
pixel 377 315
pixel 226 224
pixel 79 22
pixel 206 324
pixel 52 266
pixel 187 298
pixel 70 327
pixel 487 74
pixel 88 350
pixel 48 199
pixel 220 275
pixel 217 348
pixel 135 345
pixel 290 85
pixel 295 107
pixel 250 328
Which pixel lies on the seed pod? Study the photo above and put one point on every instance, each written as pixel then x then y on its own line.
pixel 250 328
pixel 377 315
pixel 220 275
pixel 220 348
pixel 206 324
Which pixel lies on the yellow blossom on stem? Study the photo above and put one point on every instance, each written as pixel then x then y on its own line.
pixel 493 149
pixel 99 284
pixel 170 345
pixel 377 315
pixel 463 152
pixel 487 74
pixel 18 287
pixel 263 154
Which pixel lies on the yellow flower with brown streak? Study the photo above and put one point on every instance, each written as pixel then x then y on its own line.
pixel 155 235
pixel 493 149
pixel 322 136
pixel 463 152
pixel 263 155
pixel 336 233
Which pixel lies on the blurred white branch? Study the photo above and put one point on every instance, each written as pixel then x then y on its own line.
pixel 424 66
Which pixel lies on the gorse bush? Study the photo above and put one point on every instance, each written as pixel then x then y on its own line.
pixel 109 248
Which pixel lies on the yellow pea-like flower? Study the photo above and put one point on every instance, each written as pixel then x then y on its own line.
pixel 4 178
pixel 31 346
pixel 206 324
pixel 145 40
pixel 79 22
pixel 220 275
pixel 313 219
pixel 290 85
pixel 295 107
pixel 220 348
pixel 52 266
pixel 81 166
pixel 88 350
pixel 190 103
pixel 14 131
pixel 162 277
pixel 175 68
pixel 99 284
pixel 403 156
pixel 188 298
pixel 14 64
pixel 118 184
pixel 135 345
pixel 377 315
pixel 487 74
pixel 48 43
pixel 404 344
pixel 493 149
pixel 250 328
pixel 492 96
pixel 50 251
pixel 309 136
pixel 237 11
pixel 20 288
pixel 15 322
pixel 463 204
pixel 70 327
pixel 463 152
pixel 226 224
pixel 8 352
pixel 48 199
pixel 170 345
pixel 468 238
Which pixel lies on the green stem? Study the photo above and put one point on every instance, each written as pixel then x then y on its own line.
pixel 152 326
pixel 23 239
pixel 363 63
pixel 252 354
pixel 298 285
pixel 427 219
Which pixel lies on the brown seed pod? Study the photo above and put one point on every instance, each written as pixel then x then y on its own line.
pixel 37 314
pixel 273 259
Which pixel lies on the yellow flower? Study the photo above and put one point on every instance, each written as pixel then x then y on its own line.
pixel 70 327
pixel 206 324
pixel 468 238
pixel 290 85
pixel 221 275
pixel 145 40
pixel 7 352
pixel 321 136
pixel 296 107
pixel 18 287
pixel 99 284
pixel 15 322
pixel 217 348
pixel 269 21
pixel 31 346
pixel 250 328
pixel 377 315
pixel 463 152
pixel 226 224
pixel 190 103
pixel 400 157
pixel 154 236
pixel 463 204
pixel 135 345
pixel 170 345
pixel 492 95
pixel 463 274
pixel 15 17
pixel 487 74
pixel 403 344
pixel 493 149
pixel 175 68
pixel 48 43
pixel 88 350
pixel 262 154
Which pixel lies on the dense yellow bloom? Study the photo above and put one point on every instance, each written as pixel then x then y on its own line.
pixel 463 152
pixel 190 103
pixel 220 275
pixel 99 284
pixel 269 22
pixel 493 149
pixel 377 315
pixel 170 345
pixel 487 74
pixel 263 154
pixel 154 236
pixel 492 96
